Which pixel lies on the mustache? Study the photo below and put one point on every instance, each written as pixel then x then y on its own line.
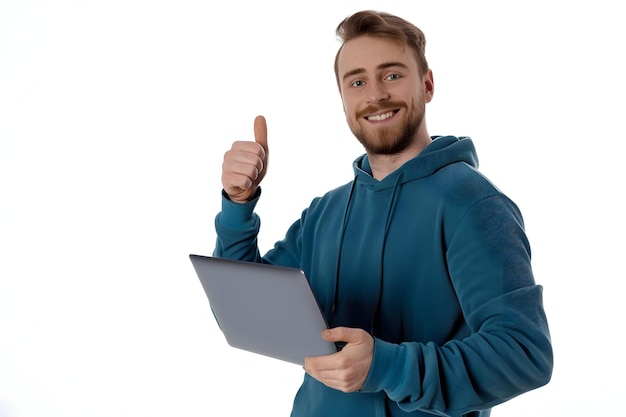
pixel 384 105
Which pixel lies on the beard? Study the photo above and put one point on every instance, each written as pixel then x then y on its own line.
pixel 388 140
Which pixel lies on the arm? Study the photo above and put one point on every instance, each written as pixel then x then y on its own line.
pixel 237 225
pixel 243 169
pixel 507 351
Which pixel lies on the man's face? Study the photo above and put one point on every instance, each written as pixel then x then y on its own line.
pixel 384 96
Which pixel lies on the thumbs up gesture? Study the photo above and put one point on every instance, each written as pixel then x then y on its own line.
pixel 245 164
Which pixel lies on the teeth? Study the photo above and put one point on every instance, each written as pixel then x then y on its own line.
pixel 379 117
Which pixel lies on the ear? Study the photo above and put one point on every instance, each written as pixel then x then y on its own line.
pixel 429 86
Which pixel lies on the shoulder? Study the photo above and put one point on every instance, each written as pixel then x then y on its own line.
pixel 459 189
pixel 332 201
pixel 464 183
pixel 333 196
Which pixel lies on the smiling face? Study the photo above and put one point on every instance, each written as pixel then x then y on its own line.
pixel 384 95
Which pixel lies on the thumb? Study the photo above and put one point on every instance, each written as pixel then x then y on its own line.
pixel 260 133
pixel 340 334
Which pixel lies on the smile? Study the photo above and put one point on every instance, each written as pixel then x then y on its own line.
pixel 381 117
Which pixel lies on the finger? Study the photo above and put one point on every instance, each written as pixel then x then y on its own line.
pixel 242 166
pixel 333 372
pixel 260 132
pixel 245 153
pixel 341 334
pixel 236 182
pixel 315 365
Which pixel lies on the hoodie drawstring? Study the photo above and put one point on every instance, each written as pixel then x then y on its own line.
pixel 342 232
pixel 392 206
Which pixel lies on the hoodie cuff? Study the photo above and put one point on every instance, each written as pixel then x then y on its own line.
pixel 233 214
pixel 382 372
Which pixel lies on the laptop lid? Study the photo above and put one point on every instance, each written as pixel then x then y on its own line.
pixel 265 309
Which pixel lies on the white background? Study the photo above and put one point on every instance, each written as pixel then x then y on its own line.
pixel 114 117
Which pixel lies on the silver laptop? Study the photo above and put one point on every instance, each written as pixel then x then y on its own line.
pixel 265 309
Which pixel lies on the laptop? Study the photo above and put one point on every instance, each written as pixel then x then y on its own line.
pixel 265 309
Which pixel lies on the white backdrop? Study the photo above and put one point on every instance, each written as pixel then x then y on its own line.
pixel 114 116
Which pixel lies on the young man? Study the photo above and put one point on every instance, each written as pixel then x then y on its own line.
pixel 420 264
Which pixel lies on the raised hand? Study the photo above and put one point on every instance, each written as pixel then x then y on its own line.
pixel 245 164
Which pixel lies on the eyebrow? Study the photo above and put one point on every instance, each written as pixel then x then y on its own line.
pixel 379 67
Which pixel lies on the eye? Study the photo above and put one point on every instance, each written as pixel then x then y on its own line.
pixel 357 84
pixel 392 77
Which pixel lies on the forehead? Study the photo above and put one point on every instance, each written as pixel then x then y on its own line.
pixel 369 52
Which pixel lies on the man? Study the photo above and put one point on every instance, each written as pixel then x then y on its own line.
pixel 420 264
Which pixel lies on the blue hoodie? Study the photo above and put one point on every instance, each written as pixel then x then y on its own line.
pixel 433 261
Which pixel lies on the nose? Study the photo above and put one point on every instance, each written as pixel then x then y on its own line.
pixel 377 92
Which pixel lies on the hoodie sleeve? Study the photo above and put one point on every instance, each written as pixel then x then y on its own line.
pixel 237 227
pixel 508 350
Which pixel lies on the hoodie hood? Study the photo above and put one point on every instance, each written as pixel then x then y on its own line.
pixel 442 151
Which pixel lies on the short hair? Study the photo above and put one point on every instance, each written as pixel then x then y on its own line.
pixel 382 25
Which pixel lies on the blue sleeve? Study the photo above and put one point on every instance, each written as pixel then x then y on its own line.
pixel 237 227
pixel 507 350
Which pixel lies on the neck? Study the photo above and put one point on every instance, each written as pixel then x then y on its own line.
pixel 383 165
